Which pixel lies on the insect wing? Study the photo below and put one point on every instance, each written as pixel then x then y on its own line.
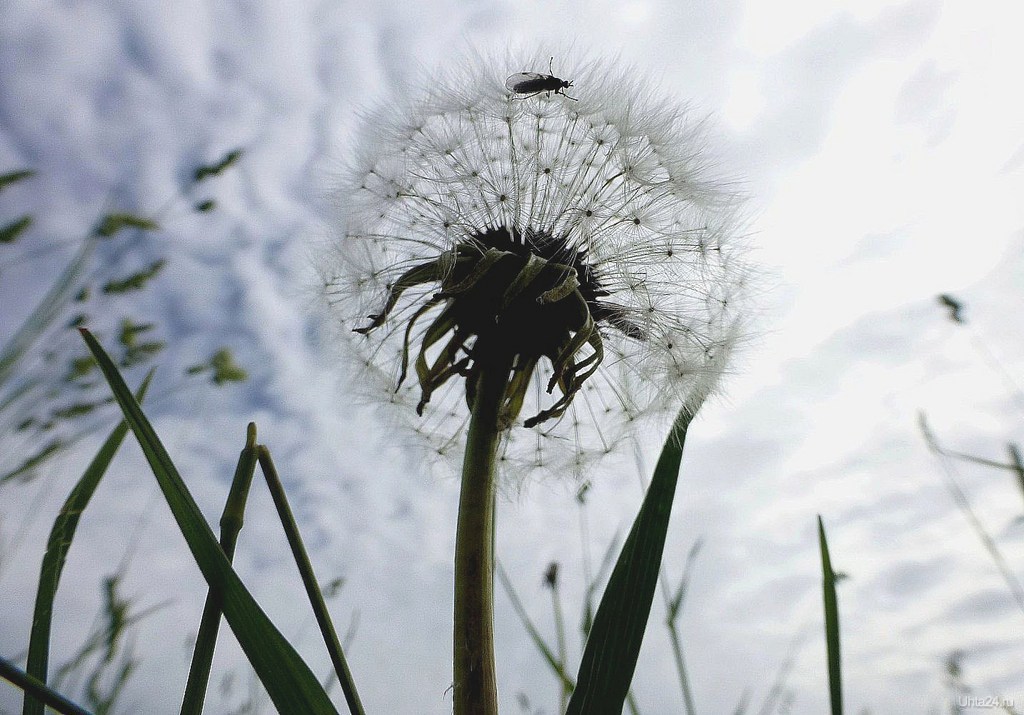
pixel 523 82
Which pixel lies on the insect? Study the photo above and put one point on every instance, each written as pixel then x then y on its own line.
pixel 531 83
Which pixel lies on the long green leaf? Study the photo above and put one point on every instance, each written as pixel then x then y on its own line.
pixel 12 673
pixel 828 581
pixel 292 686
pixel 57 546
pixel 610 656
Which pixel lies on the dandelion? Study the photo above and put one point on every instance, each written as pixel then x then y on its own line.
pixel 563 266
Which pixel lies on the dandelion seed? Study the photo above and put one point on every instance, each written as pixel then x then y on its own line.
pixel 582 240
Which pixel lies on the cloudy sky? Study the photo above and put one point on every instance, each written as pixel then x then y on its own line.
pixel 881 144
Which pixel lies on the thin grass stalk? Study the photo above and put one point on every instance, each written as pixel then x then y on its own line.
pixel 680 661
pixel 774 695
pixel 57 546
pixel 550 658
pixel 475 683
pixel 674 607
pixel 230 525
pixel 960 497
pixel 46 312
pixel 556 605
pixel 39 690
pixel 607 562
pixel 1018 465
pixel 828 581
pixel 309 580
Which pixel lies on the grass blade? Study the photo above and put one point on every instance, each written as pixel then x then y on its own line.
pixel 292 686
pixel 538 640
pixel 606 563
pixel 12 673
pixel 964 504
pixel 57 546
pixel 12 177
pixel 230 524
pixel 828 580
pixel 610 656
pixel 674 606
pixel 45 313
pixel 316 596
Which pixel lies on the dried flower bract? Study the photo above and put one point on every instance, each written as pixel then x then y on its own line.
pixel 579 244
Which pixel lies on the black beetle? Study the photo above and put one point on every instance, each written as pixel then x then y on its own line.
pixel 531 83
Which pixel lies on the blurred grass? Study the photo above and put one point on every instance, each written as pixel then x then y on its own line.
pixel 61 536
pixel 963 502
pixel 44 405
pixel 828 581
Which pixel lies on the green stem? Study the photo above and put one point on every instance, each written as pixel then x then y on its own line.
pixel 556 604
pixel 38 689
pixel 309 581
pixel 475 686
pixel 231 521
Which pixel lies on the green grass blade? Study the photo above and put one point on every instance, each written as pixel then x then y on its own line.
pixel 12 673
pixel 11 232
pixel 964 504
pixel 828 580
pixel 610 656
pixel 57 546
pixel 292 686
pixel 674 606
pixel 230 524
pixel 587 622
pixel 12 177
pixel 1017 464
pixel 313 592
pixel 538 640
pixel 45 313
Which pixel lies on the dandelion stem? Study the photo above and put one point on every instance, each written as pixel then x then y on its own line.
pixel 475 687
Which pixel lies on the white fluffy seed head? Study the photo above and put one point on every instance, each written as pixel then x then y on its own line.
pixel 617 173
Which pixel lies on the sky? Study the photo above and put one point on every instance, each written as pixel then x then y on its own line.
pixel 881 146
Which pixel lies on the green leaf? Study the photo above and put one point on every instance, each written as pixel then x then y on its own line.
pixel 610 656
pixel 25 471
pixel 292 686
pixel 57 546
pixel 13 177
pixel 828 581
pixel 15 675
pixel 130 331
pixel 205 206
pixel 10 232
pixel 141 353
pixel 214 169
pixel 112 223
pixel 135 281
pixel 225 369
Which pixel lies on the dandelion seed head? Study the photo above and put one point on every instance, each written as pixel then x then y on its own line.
pixel 587 236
